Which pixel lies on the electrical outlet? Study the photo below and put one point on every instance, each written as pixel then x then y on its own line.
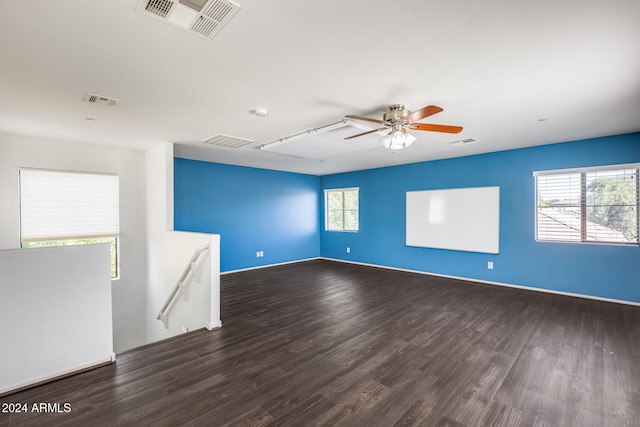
pixel 258 254
pixel 185 328
pixel 490 265
pixel 348 250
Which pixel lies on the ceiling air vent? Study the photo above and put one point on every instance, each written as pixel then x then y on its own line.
pixel 227 141
pixel 99 99
pixel 159 7
pixel 204 18
pixel 465 141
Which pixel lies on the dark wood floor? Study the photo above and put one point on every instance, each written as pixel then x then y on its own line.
pixel 326 343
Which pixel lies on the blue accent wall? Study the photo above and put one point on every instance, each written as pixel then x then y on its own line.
pixel 252 210
pixel 282 214
pixel 589 269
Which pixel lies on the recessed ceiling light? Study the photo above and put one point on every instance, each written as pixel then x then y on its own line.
pixel 261 112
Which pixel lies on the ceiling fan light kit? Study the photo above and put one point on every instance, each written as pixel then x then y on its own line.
pixel 397 139
pixel 397 120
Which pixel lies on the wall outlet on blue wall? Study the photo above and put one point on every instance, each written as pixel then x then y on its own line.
pixel 223 199
pixel 490 265
pixel 348 250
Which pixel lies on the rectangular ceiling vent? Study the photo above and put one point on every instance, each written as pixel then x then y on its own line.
pixel 204 18
pixel 92 98
pixel 227 141
pixel 158 7
pixel 465 141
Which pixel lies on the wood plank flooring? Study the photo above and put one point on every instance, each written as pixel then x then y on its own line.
pixel 333 344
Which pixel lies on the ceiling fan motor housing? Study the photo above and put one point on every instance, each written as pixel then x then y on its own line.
pixel 396 112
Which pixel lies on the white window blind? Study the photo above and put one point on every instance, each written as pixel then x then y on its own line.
pixel 596 205
pixel 341 209
pixel 60 205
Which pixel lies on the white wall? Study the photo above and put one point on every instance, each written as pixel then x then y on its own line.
pixel 128 292
pixel 56 318
pixel 169 253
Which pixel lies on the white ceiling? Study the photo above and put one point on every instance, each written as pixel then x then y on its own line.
pixel 495 66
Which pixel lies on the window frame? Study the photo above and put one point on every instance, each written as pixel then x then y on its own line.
pixel 52 241
pixel 327 191
pixel 583 203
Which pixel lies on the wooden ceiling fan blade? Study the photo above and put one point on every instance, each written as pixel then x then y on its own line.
pixel 369 119
pixel 420 114
pixel 365 133
pixel 436 128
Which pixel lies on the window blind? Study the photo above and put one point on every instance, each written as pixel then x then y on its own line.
pixel 60 205
pixel 596 205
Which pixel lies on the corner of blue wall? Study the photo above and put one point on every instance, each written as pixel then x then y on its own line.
pixel 263 217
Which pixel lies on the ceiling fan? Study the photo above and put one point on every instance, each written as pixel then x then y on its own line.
pixel 398 120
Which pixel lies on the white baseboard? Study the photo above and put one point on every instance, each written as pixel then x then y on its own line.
pixel 211 326
pixel 508 285
pixel 8 389
pixel 268 265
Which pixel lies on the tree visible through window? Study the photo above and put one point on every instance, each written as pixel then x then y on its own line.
pixel 112 241
pixel 341 209
pixel 598 205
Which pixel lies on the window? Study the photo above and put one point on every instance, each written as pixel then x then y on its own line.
pixel 59 208
pixel 341 209
pixel 595 205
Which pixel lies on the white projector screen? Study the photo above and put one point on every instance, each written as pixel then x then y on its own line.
pixel 462 219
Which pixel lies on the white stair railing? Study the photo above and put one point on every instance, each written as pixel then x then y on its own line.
pixel 181 287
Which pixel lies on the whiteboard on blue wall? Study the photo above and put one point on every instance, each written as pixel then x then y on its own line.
pixel 462 219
